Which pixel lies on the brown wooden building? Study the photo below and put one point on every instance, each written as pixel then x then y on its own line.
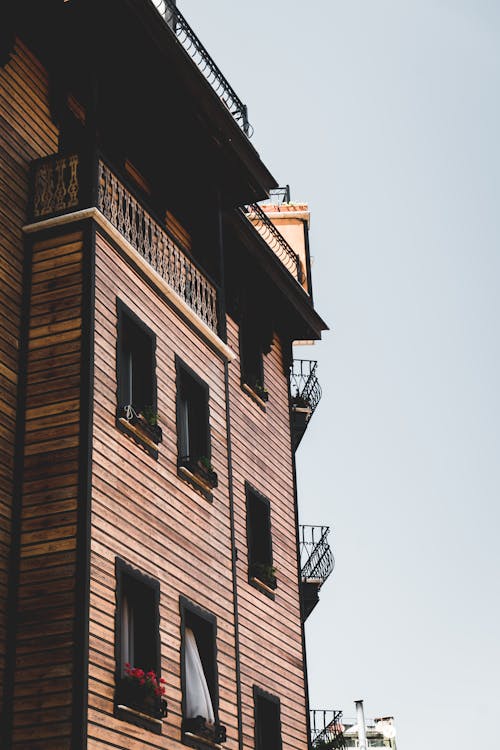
pixel 148 420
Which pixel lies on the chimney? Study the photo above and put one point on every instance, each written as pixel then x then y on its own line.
pixel 360 719
pixel 292 220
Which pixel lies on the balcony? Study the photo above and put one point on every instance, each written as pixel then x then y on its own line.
pixel 316 563
pixel 196 50
pixel 305 392
pixel 88 187
pixel 327 731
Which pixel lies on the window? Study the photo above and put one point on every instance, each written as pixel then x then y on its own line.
pixel 200 693
pixel 260 555
pixel 137 645
pixel 251 359
pixel 136 363
pixel 267 720
pixel 136 380
pixel 193 432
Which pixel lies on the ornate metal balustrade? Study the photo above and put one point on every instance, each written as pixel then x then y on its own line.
pixel 196 50
pixel 305 392
pixel 327 731
pixel 316 563
pixel 316 557
pixel 70 183
pixel 304 385
pixel 263 224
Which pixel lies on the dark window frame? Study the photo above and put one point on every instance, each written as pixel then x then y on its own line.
pixel 192 614
pixel 262 695
pixel 122 570
pixel 187 378
pixel 251 348
pixel 253 495
pixel 143 434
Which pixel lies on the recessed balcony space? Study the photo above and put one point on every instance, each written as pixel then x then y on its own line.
pixel 327 730
pixel 305 392
pixel 316 563
pixel 263 225
pixel 74 187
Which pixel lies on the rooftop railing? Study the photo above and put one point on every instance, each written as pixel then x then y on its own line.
pixel 63 184
pixel 327 731
pixel 199 54
pixel 263 224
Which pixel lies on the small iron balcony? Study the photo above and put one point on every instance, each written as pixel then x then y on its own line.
pixel 67 184
pixel 196 50
pixel 305 392
pixel 316 563
pixel 327 731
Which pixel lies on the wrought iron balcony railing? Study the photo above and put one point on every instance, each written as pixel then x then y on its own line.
pixel 304 385
pixel 316 563
pixel 316 557
pixel 62 184
pixel 263 224
pixel 196 50
pixel 327 731
pixel 305 392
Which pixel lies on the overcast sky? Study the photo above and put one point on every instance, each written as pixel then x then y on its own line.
pixel 385 116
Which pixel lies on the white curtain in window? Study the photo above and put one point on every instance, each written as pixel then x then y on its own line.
pixel 198 700
pixel 127 633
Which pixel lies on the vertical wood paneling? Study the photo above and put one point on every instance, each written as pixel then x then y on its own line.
pixel 27 134
pixel 270 631
pixel 46 593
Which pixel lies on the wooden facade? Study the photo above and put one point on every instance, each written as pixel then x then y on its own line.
pixel 27 133
pixel 86 491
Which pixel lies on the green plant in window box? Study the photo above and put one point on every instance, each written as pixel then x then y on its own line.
pixel 146 421
pixel 264 572
pixel 205 469
pixel 300 402
pixel 214 733
pixel 260 390
pixel 142 691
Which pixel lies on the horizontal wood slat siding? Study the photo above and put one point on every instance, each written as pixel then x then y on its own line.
pixel 27 134
pixel 144 513
pixel 44 654
pixel 269 631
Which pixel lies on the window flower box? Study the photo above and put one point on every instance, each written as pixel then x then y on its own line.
pixel 201 469
pixel 142 692
pixel 212 733
pixel 264 573
pixel 144 424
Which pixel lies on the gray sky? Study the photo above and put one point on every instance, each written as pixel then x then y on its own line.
pixel 385 116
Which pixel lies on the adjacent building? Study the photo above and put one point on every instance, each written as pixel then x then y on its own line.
pixel 153 577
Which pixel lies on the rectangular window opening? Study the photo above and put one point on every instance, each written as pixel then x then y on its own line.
pixel 267 721
pixel 199 675
pixel 136 365
pixel 137 646
pixel 260 555
pixel 193 428
pixel 251 358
